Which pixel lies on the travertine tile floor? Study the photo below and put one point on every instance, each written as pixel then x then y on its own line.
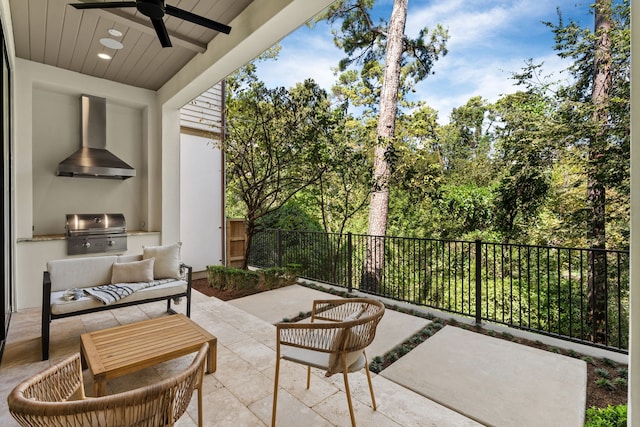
pixel 240 392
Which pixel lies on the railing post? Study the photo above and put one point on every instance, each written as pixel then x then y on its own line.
pixel 478 281
pixel 278 248
pixel 349 263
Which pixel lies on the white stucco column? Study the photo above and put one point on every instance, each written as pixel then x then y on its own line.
pixel 170 176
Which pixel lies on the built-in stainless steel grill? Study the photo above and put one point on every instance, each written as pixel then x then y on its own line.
pixel 95 233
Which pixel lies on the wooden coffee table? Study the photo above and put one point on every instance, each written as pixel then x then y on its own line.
pixel 120 350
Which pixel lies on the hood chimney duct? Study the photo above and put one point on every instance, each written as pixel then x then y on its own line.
pixel 93 160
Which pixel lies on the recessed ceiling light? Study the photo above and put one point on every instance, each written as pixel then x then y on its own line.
pixel 111 43
pixel 115 32
pixel 104 56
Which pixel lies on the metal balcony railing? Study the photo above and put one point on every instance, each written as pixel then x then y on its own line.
pixel 575 294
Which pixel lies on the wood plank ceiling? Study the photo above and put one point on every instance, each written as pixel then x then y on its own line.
pixel 53 33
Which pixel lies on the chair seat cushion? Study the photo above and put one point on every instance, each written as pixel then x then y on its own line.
pixel 319 359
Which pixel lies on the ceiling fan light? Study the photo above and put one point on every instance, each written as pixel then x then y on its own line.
pixel 104 56
pixel 111 43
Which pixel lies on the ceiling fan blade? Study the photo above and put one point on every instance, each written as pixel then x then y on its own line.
pixel 161 30
pixel 104 5
pixel 197 19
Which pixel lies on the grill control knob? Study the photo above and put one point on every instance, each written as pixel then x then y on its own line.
pixel 86 245
pixel 111 243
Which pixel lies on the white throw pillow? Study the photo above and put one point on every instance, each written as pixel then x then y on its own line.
pixel 167 263
pixel 132 272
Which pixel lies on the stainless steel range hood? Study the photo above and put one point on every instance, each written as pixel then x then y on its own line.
pixel 93 160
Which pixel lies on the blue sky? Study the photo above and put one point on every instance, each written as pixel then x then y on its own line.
pixel 488 41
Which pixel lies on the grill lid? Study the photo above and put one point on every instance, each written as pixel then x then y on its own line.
pixel 107 223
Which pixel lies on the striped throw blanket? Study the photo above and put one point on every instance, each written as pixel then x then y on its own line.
pixel 114 292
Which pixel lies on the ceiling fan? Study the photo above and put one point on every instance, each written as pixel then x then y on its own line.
pixel 155 10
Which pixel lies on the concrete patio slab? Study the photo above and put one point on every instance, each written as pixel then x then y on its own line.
pixel 277 304
pixel 494 381
pixel 273 306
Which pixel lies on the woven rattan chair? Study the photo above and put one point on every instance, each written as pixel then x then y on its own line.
pixel 336 344
pixel 55 397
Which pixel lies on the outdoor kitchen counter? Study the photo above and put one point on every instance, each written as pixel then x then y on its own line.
pixel 48 237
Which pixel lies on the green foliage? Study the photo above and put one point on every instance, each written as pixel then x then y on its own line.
pixel 605 384
pixel 290 216
pixel 229 278
pixel 276 144
pixel 620 382
pixel 464 209
pixel 600 127
pixel 611 416
pixel 276 277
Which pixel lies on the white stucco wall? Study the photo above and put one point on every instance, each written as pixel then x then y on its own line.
pixel 46 130
pixel 201 202
pixel 46 115
pixel 56 135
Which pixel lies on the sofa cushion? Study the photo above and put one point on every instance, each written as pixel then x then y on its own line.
pixel 61 306
pixel 129 258
pixel 167 260
pixel 136 271
pixel 80 272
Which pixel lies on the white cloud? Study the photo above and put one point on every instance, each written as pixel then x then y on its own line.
pixel 489 40
pixel 305 54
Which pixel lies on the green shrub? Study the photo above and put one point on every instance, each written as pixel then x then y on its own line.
pixel 277 277
pixel 611 416
pixel 228 278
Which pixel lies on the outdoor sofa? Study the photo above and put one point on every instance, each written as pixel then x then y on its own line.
pixel 76 286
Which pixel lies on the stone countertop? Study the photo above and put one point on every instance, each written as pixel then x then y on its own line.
pixel 48 237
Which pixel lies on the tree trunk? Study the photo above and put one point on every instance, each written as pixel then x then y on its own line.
pixel 379 205
pixel 595 186
pixel 251 231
